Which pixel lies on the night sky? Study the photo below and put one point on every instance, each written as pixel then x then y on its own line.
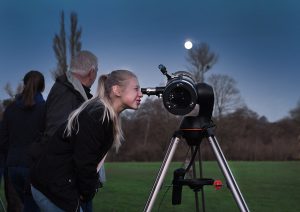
pixel 257 42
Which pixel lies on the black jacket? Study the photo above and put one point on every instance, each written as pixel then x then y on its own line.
pixel 63 98
pixel 67 170
pixel 20 127
pixel 61 101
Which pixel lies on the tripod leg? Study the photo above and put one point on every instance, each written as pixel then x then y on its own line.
pixel 161 174
pixel 201 176
pixel 195 177
pixel 227 174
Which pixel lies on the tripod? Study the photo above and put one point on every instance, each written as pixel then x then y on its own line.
pixel 193 129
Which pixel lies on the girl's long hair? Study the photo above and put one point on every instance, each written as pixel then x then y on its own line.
pixel 104 89
pixel 34 82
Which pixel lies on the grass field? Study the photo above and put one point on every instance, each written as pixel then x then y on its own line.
pixel 266 186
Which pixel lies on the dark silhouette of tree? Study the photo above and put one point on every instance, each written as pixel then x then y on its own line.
pixel 242 135
pixel 201 59
pixel 227 95
pixel 60 46
pixel 295 113
pixel 75 44
pixel 8 89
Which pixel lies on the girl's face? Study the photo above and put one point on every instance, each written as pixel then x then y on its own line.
pixel 131 94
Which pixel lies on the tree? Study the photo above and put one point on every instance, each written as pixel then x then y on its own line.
pixel 245 113
pixel 201 60
pixel 59 47
pixel 295 113
pixel 227 95
pixel 75 44
pixel 59 44
pixel 8 89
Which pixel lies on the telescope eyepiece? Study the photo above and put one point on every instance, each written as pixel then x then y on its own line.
pixel 157 91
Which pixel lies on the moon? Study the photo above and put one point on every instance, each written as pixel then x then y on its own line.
pixel 188 44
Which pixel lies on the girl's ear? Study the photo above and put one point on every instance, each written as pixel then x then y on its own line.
pixel 116 90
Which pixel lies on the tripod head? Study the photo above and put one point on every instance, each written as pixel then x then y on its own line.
pixel 194 128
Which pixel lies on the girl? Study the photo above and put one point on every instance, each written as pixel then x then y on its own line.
pixel 68 172
pixel 21 126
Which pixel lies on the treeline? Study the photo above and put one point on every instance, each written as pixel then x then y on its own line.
pixel 242 135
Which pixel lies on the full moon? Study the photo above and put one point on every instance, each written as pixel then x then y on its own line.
pixel 188 44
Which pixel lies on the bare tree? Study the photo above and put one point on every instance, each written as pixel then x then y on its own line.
pixel 227 95
pixel 59 47
pixel 74 40
pixel 59 44
pixel 295 113
pixel 201 60
pixel 8 89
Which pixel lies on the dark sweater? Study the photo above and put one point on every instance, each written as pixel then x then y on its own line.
pixel 20 127
pixel 68 168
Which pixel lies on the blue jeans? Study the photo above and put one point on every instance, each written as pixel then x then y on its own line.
pixel 19 177
pixel 87 206
pixel 44 203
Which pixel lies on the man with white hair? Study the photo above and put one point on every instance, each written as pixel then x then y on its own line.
pixel 68 92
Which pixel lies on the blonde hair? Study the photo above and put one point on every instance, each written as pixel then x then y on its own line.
pixel 105 84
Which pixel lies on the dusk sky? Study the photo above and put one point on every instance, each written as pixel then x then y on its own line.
pixel 257 42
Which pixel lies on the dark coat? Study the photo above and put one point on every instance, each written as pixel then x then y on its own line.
pixel 67 170
pixel 61 101
pixel 2 154
pixel 20 127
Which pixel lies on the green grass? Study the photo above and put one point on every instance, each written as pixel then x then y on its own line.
pixel 266 186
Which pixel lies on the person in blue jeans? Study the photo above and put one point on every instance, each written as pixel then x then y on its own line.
pixel 68 92
pixel 22 124
pixel 68 171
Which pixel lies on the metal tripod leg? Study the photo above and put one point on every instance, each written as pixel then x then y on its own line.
pixel 195 176
pixel 2 206
pixel 227 174
pixel 161 174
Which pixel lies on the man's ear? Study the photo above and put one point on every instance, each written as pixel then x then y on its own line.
pixel 116 90
pixel 91 72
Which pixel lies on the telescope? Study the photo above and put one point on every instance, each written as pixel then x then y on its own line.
pixel 180 96
pixel 181 93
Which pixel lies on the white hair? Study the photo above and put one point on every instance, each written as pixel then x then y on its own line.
pixel 83 62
